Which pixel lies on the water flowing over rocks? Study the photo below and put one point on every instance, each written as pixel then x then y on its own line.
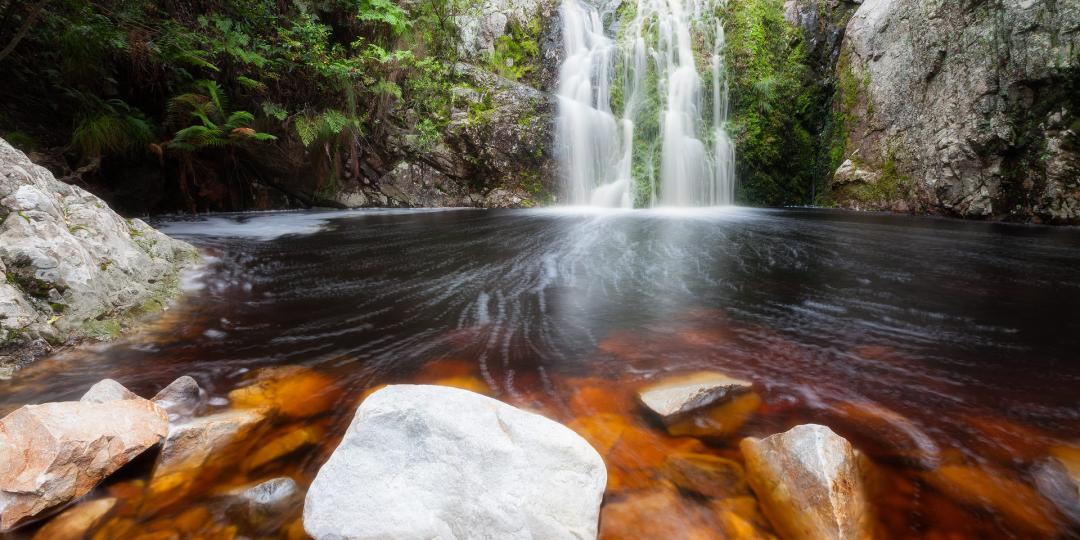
pixel 809 485
pixel 439 462
pixel 54 453
pixel 72 267
pixel 961 108
pixel 676 396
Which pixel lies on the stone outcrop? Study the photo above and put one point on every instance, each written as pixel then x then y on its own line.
pixel 54 453
pixel 679 395
pixel 70 265
pixel 182 398
pixel 809 484
pixel 439 462
pixel 967 109
pixel 495 152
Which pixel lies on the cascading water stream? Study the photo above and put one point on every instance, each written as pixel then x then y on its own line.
pixel 684 158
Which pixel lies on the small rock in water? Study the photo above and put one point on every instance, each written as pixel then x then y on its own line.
pixel 436 462
pixel 719 420
pixel 182 399
pixel 75 522
pixel 807 480
pixel 284 445
pixel 679 395
pixel 107 390
pixel 54 453
pixel 267 505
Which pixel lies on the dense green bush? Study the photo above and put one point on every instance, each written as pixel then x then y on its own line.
pixel 129 79
pixel 777 106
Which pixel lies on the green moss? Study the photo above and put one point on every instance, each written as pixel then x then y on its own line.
pixel 104 329
pixel 517 53
pixel 777 106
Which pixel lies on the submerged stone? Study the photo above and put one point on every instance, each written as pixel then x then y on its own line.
pixel 807 480
pixel 720 420
pixel 76 522
pixel 438 462
pixel 284 445
pixel 197 448
pixel 293 391
pixel 706 474
pixel 675 396
pixel 1020 505
pixel 54 453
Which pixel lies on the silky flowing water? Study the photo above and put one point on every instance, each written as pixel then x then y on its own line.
pixel 945 351
pixel 638 123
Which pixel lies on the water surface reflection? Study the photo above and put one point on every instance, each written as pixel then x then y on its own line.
pixel 945 350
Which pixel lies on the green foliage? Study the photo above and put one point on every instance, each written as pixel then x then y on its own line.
pixel 385 12
pixel 776 105
pixel 109 127
pixel 217 126
pixel 517 53
pixel 343 73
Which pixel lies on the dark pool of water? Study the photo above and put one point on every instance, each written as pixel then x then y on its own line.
pixel 927 342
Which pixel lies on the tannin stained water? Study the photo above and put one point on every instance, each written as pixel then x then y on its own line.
pixel 652 69
pixel 945 351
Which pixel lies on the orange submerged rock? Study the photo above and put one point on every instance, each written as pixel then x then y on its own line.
pixel 294 391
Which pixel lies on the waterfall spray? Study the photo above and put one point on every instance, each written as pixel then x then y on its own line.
pixel 656 56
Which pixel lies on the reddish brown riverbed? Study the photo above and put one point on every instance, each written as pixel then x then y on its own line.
pixel 944 351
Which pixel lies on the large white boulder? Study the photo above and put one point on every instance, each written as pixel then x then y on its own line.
pixel 438 462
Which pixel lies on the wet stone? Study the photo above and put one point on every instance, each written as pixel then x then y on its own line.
pixel 54 453
pixel 182 399
pixel 679 395
pixel 293 391
pixel 809 485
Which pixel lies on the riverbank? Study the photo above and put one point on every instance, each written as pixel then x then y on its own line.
pixel 73 268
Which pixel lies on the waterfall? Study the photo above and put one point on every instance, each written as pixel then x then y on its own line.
pixel 649 62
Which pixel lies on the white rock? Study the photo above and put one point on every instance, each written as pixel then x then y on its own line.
pixel 438 462
pixel 681 394
pixel 107 390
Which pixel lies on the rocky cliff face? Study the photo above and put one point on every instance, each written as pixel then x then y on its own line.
pixel 71 266
pixel 966 108
pixel 496 151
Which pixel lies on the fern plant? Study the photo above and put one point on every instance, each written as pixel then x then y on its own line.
pixel 108 127
pixel 216 126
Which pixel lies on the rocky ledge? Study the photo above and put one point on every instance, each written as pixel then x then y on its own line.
pixel 71 266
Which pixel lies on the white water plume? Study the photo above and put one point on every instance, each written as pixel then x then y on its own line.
pixel 651 69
